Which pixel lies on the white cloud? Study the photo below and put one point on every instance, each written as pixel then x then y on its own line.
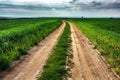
pixel 36 1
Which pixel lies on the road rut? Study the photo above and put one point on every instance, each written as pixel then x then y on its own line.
pixel 88 64
pixel 32 65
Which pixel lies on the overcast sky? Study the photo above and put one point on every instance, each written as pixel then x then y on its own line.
pixel 60 8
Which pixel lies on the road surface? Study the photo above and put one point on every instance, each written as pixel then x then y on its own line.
pixel 88 64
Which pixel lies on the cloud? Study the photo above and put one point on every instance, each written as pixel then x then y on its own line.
pixel 74 4
pixel 102 5
pixel 114 5
pixel 60 7
pixel 96 5
pixel 32 7
pixel 32 2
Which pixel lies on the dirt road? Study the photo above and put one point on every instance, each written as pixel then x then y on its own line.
pixel 32 65
pixel 88 64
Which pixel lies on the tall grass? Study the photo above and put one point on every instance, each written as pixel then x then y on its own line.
pixel 105 35
pixel 55 66
pixel 17 41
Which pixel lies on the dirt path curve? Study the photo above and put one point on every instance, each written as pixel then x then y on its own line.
pixel 32 65
pixel 88 64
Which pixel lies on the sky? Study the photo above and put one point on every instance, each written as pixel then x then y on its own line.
pixel 60 8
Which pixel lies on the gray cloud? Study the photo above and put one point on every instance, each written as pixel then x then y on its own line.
pixel 73 8
pixel 114 5
pixel 102 5
pixel 72 4
pixel 31 7
pixel 96 5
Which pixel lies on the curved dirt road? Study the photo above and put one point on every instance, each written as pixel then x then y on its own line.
pixel 32 65
pixel 88 64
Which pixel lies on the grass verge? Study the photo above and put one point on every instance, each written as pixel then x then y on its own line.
pixel 105 35
pixel 55 68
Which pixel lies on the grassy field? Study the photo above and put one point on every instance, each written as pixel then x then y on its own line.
pixel 105 35
pixel 55 66
pixel 17 36
pixel 12 23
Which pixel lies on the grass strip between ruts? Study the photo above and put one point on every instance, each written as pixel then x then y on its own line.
pixel 55 68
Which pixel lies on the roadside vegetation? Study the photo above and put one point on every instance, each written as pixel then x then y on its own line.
pixel 105 35
pixel 55 68
pixel 18 36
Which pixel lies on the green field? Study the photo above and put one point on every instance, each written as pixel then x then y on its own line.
pixel 105 35
pixel 17 36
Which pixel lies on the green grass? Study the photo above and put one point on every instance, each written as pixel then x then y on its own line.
pixel 15 42
pixel 55 66
pixel 12 23
pixel 105 35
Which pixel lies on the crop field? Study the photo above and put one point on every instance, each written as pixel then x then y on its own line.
pixel 18 35
pixel 105 35
pixel 60 49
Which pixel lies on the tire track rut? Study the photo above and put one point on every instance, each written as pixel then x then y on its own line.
pixel 32 65
pixel 88 64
